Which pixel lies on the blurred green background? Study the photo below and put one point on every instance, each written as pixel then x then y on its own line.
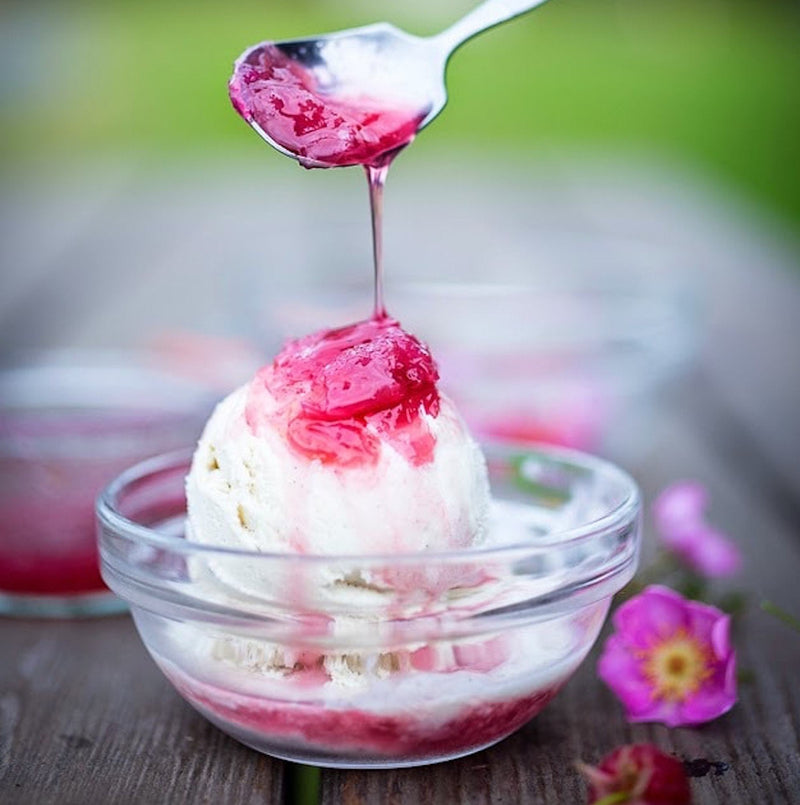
pixel 709 85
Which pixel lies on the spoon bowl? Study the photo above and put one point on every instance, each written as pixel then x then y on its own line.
pixel 353 75
pixel 355 96
pixel 377 61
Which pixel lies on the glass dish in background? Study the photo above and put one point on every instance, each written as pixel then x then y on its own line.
pixel 575 365
pixel 448 654
pixel 69 422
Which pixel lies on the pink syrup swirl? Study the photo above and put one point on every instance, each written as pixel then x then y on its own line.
pixel 340 393
pixel 282 97
pixel 353 731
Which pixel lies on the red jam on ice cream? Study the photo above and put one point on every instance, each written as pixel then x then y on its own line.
pixel 339 392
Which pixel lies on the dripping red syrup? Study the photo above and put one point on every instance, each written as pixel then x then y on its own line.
pixel 333 385
pixel 281 98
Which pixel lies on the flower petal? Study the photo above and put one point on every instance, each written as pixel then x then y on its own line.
pixel 703 622
pixel 721 638
pixel 680 506
pixel 655 613
pixel 716 697
pixel 730 683
pixel 712 554
pixel 679 542
pixel 619 669
pixel 639 774
pixel 662 711
pixel 660 615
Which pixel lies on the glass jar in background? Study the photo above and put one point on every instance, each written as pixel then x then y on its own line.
pixel 70 421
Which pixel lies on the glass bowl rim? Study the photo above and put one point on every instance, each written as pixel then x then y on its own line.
pixel 625 512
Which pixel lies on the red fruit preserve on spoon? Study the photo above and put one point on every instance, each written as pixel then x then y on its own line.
pixel 285 101
pixel 279 89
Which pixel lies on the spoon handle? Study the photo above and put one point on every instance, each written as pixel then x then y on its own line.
pixel 486 15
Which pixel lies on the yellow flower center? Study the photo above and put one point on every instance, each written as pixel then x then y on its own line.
pixel 677 666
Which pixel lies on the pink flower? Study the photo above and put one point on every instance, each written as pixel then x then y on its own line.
pixel 679 513
pixel 670 659
pixel 637 774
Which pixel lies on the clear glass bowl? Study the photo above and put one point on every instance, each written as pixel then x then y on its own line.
pixel 69 422
pixel 378 661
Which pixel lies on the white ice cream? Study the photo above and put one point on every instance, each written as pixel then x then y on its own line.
pixel 254 492
pixel 250 488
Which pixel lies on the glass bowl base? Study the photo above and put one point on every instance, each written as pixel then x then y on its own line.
pixel 330 762
pixel 352 738
pixel 317 757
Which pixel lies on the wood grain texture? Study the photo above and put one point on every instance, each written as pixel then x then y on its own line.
pixel 86 718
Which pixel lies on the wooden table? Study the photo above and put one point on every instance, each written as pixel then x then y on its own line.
pixel 86 718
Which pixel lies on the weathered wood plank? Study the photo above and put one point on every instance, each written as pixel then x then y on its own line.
pixel 86 718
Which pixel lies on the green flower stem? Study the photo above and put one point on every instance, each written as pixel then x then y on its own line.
pixel 612 799
pixel 781 614
pixel 693 586
pixel 302 783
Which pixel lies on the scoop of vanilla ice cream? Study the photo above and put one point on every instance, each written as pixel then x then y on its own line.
pixel 343 446
pixel 254 492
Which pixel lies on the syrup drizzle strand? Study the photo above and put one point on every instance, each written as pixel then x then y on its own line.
pixel 376 176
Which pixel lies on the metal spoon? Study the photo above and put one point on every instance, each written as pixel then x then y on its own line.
pixel 382 63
